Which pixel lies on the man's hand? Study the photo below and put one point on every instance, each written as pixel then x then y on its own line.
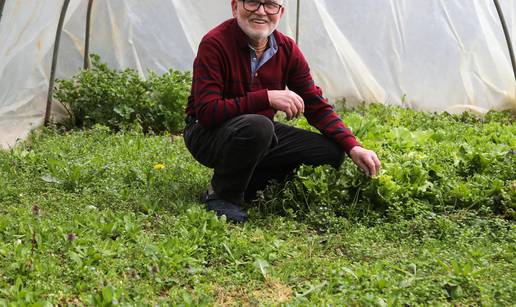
pixel 366 160
pixel 287 101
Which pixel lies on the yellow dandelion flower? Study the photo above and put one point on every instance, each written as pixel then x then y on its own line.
pixel 159 166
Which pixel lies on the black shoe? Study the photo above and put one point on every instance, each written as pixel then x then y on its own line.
pixel 233 212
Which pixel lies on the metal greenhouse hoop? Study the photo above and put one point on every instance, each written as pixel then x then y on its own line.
pixel 87 62
pixel 54 61
pixel 507 36
pixel 297 20
pixel 2 3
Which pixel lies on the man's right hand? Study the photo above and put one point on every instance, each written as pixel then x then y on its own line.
pixel 288 102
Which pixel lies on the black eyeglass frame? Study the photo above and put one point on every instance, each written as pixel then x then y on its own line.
pixel 264 8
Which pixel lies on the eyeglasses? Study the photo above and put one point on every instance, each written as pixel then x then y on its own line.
pixel 270 8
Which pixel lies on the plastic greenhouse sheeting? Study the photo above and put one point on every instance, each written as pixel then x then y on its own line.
pixel 435 55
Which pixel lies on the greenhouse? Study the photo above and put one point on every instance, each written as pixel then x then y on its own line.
pixel 121 184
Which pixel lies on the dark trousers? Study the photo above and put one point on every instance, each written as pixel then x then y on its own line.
pixel 249 150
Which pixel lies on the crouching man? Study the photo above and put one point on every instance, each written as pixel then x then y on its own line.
pixel 240 78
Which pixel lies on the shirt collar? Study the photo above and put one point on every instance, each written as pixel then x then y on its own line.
pixel 272 43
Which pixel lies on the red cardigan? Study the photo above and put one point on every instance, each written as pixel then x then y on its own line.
pixel 223 87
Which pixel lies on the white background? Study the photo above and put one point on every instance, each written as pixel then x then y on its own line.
pixel 434 55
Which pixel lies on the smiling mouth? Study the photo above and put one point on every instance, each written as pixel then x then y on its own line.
pixel 259 21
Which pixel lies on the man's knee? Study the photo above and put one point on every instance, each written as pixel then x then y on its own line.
pixel 254 130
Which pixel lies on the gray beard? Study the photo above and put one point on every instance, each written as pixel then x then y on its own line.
pixel 254 36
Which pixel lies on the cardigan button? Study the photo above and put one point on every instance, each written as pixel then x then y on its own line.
pixel 256 74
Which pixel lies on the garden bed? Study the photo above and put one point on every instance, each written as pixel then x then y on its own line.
pixel 97 217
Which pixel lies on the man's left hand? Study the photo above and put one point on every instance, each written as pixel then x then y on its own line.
pixel 366 160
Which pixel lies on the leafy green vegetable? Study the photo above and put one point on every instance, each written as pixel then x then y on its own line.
pixel 432 163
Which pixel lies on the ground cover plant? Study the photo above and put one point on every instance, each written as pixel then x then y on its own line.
pixel 97 217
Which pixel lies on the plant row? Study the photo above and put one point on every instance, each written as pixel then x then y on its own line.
pixel 432 163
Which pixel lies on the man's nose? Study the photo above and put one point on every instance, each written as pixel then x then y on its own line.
pixel 261 10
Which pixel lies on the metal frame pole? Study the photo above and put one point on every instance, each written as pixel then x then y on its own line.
pixel 87 63
pixel 297 20
pixel 54 60
pixel 2 3
pixel 507 36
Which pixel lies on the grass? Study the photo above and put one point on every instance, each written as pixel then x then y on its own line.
pixel 93 218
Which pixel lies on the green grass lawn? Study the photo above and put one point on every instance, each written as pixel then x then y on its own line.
pixel 98 218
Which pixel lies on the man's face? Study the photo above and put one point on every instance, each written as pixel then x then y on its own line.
pixel 257 25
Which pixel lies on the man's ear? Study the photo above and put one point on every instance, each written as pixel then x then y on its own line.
pixel 282 11
pixel 234 7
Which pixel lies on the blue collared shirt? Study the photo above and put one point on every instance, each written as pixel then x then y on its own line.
pixel 267 55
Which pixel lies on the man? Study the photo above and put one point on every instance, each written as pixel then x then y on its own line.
pixel 240 76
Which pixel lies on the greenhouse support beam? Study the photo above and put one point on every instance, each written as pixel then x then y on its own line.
pixel 297 20
pixel 54 60
pixel 2 3
pixel 87 62
pixel 507 36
